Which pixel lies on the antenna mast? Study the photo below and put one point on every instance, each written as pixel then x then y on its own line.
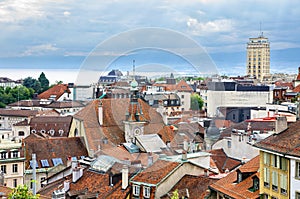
pixel 133 65
pixel 260 32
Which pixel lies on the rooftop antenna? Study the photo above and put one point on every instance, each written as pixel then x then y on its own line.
pixel 261 33
pixel 133 65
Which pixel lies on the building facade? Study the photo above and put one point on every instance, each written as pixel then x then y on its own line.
pixel 258 57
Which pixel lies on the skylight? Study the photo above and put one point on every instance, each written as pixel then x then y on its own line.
pixel 57 161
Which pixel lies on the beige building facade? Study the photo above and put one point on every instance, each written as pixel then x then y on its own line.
pixel 258 58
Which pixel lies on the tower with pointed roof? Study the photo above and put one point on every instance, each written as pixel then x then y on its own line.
pixel 135 120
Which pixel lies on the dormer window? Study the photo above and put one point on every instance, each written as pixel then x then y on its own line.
pixel 3 155
pixel 61 132
pixel 51 132
pixel 43 131
pixel 14 154
pixel 255 184
pixel 240 177
pixel 146 192
pixel 33 131
pixel 136 190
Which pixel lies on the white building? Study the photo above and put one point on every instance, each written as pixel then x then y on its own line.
pixel 230 94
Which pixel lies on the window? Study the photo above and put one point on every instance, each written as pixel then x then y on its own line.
pixel 229 143
pixel 45 163
pixel 266 177
pixel 3 155
pixel 297 170
pixel 57 161
pixel 21 133
pixel 283 184
pixel 14 154
pixel 36 164
pixel 283 163
pixel 256 184
pixel 146 192
pixel 275 180
pixel 275 161
pixel 42 180
pixel 15 168
pixel 297 195
pixel 15 182
pixel 136 190
pixel 266 158
pixel 3 169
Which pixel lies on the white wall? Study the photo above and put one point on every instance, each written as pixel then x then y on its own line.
pixel 239 149
pixel 216 99
pixel 185 99
pixel 294 182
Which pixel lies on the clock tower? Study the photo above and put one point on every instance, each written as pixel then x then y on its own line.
pixel 135 120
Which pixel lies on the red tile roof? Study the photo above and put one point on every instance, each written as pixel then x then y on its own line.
pixel 156 172
pixel 297 89
pixel 286 142
pixel 57 90
pixel 53 148
pixel 228 185
pixel 114 115
pixel 58 125
pixel 65 104
pixel 222 161
pixel 196 186
pixel 18 113
pixel 181 86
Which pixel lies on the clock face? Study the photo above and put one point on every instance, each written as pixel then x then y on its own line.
pixel 137 131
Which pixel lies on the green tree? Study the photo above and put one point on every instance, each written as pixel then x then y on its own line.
pixel 22 192
pixel 196 102
pixel 10 95
pixel 44 82
pixel 30 82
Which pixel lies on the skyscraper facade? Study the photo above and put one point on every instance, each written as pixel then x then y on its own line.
pixel 258 58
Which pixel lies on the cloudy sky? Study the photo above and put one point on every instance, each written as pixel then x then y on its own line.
pixel 60 34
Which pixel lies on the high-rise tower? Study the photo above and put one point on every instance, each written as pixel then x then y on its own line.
pixel 258 57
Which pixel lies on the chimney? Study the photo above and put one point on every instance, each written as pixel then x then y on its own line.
pixel 100 113
pixel 66 185
pixel 69 161
pixel 150 159
pixel 185 145
pixel 184 156
pixel 74 164
pixel 77 174
pixel 124 177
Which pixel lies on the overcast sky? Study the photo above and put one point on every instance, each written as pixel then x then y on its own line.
pixel 61 33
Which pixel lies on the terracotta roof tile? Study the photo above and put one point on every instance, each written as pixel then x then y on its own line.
pixel 18 113
pixel 53 148
pixel 65 104
pixel 297 88
pixel 54 126
pixel 222 161
pixel 114 114
pixel 156 172
pixel 286 142
pixel 228 185
pixel 57 90
pixel 196 186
